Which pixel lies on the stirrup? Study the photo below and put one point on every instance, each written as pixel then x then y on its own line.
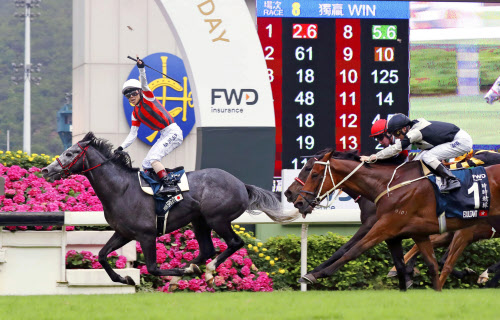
pixel 450 186
pixel 166 190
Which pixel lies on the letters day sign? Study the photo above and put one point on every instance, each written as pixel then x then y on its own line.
pixel 175 97
pixel 224 60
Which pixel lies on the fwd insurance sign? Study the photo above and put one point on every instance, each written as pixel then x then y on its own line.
pixel 233 100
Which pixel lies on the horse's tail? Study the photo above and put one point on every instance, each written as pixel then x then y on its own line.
pixel 267 202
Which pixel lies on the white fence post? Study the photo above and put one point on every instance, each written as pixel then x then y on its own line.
pixel 303 254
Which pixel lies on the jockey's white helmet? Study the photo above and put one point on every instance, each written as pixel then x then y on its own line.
pixel 131 84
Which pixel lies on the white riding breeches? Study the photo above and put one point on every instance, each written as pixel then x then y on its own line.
pixel 461 144
pixel 170 138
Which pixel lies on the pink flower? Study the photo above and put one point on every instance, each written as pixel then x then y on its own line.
pixel 96 265
pixel 143 269
pixel 18 198
pixel 71 253
pixel 189 234
pixel 194 284
pixel 219 280
pixel 160 256
pixel 188 256
pixel 121 262
pixel 182 284
pixel 138 247
pixel 70 228
pixel 245 271
pixel 192 245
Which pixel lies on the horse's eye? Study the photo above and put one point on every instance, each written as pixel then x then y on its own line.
pixel 314 175
pixel 68 154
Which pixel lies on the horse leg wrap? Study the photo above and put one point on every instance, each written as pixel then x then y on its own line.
pixel 173 284
pixel 192 269
pixel 483 277
pixel 209 273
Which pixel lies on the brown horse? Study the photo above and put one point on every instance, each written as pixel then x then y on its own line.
pixel 408 211
pixel 459 240
pixel 367 216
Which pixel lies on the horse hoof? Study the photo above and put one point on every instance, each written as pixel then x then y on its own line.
pixel 482 280
pixel 210 283
pixel 392 274
pixel 307 279
pixel 409 283
pixel 173 287
pixel 129 281
pixel 196 269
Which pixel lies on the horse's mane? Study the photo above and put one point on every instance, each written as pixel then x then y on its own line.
pixel 354 156
pixel 120 158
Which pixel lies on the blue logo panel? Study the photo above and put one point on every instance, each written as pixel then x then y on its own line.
pixel 176 97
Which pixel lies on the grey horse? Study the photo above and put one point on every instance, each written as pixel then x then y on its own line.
pixel 215 198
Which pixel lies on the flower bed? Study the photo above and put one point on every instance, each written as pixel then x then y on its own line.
pixel 87 260
pixel 246 270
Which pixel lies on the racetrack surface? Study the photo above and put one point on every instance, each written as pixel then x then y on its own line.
pixel 367 304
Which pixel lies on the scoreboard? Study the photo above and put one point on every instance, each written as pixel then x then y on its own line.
pixel 335 68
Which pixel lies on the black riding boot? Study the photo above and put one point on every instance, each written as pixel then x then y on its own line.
pixel 167 186
pixel 449 181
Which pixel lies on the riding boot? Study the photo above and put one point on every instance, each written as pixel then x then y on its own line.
pixel 449 181
pixel 167 185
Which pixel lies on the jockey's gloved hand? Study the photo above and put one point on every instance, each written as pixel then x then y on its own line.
pixel 118 149
pixel 140 63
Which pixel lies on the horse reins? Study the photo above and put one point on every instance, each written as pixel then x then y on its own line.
pixel 67 167
pixel 319 197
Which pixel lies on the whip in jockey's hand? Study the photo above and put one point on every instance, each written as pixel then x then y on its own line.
pixel 150 112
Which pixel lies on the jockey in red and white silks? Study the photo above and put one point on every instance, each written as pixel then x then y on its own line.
pixel 149 111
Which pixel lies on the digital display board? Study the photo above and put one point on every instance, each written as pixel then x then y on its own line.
pixel 335 68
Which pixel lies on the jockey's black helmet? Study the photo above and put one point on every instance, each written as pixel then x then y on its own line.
pixel 397 121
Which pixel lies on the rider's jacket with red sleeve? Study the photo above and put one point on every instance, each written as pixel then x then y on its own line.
pixel 148 111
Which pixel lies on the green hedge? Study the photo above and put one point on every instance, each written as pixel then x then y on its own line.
pixel 370 269
pixel 19 158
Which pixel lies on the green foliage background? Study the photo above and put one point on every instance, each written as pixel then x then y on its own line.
pixel 51 45
pixel 369 271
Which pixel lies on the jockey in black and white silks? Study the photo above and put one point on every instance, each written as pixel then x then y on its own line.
pixel 438 140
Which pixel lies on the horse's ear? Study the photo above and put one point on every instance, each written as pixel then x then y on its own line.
pixel 83 143
pixel 329 155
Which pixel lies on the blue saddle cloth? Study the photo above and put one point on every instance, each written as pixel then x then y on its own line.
pixel 472 200
pixel 163 203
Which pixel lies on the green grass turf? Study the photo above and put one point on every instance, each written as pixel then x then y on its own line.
pixel 471 113
pixel 389 304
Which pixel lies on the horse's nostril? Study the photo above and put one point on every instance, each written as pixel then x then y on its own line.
pixel 45 171
pixel 288 193
pixel 298 204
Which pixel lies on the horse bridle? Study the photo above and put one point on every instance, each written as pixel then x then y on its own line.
pixel 66 168
pixel 319 197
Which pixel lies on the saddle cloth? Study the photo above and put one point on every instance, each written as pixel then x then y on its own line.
pixel 163 203
pixel 471 201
